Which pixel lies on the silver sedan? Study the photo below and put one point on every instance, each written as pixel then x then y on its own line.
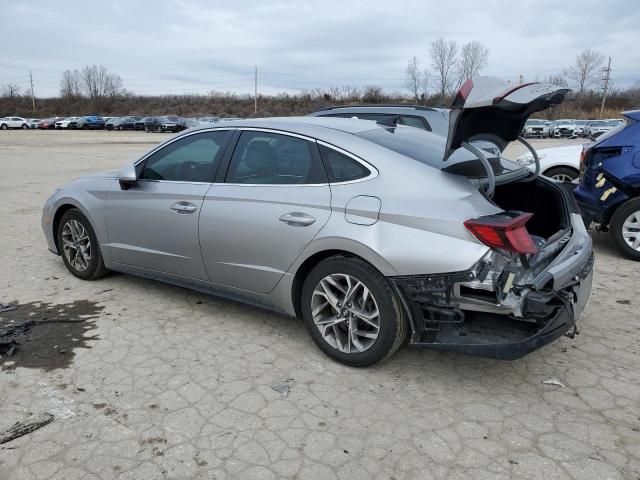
pixel 371 233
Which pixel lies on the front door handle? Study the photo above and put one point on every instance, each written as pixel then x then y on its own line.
pixel 183 207
pixel 297 219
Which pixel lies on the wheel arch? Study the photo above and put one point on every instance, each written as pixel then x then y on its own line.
pixel 561 165
pixel 64 207
pixel 308 262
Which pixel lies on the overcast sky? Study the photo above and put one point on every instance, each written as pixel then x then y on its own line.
pixel 197 46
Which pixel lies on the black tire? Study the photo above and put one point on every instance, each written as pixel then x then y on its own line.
pixel 159 129
pixel 24 126
pixel 96 268
pixel 146 129
pixel 393 324
pixel 616 228
pixel 3 126
pixel 561 172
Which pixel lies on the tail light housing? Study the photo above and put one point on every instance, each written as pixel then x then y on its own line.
pixel 505 231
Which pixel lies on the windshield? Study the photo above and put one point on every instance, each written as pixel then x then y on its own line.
pixel 534 122
pixel 618 128
pixel 428 148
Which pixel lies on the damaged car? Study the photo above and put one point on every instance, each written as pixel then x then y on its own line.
pixel 370 232
pixel 536 128
pixel 609 190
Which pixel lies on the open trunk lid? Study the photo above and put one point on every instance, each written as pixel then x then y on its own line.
pixel 494 110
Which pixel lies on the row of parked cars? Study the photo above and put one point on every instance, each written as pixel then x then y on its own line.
pixel 168 123
pixel 569 128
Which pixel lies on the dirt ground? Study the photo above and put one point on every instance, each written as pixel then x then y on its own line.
pixel 150 381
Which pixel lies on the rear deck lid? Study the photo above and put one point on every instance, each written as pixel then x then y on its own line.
pixel 494 110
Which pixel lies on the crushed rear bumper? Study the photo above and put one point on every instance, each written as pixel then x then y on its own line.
pixel 550 307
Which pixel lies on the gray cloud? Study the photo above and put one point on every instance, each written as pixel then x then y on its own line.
pixel 196 46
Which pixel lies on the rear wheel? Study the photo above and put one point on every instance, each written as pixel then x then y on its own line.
pixel 624 229
pixel 351 312
pixel 79 246
pixel 562 174
pixel 24 126
pixel 3 126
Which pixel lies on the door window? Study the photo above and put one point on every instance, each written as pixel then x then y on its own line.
pixel 275 159
pixel 193 158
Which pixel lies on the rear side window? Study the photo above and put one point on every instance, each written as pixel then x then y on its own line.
pixel 273 159
pixel 342 168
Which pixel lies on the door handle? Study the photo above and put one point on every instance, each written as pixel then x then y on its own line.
pixel 297 219
pixel 183 207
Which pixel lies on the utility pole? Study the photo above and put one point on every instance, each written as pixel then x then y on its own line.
pixel 606 72
pixel 33 99
pixel 255 90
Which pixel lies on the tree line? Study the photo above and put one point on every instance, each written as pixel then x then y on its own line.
pixel 94 90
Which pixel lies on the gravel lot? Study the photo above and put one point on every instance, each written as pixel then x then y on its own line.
pixel 160 382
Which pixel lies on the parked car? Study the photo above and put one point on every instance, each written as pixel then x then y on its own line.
pixel 431 119
pixel 140 124
pixel 64 123
pixel 123 123
pixel 565 128
pixel 13 122
pixel 559 163
pixel 594 128
pixel 49 123
pixel 580 127
pixel 164 124
pixel 366 232
pixel 536 128
pixel 88 122
pixel 608 193
pixel 33 122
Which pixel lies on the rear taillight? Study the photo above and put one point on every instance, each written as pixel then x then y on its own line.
pixel 504 231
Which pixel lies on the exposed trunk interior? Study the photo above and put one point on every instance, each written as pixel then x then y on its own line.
pixel 539 197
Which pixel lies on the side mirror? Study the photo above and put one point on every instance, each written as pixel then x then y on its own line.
pixel 127 176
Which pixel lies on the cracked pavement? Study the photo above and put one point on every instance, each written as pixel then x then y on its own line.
pixel 179 385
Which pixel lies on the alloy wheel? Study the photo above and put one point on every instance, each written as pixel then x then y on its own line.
pixel 76 245
pixel 562 177
pixel 345 313
pixel 631 230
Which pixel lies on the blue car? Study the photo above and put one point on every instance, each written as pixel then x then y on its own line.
pixel 609 190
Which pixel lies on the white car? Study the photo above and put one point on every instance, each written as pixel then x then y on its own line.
pixel 536 128
pixel 594 128
pixel 559 163
pixel 565 128
pixel 13 122
pixel 62 124
pixel 33 122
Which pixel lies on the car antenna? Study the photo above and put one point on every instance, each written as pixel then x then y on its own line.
pixel 389 121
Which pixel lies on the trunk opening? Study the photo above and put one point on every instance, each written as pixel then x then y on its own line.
pixel 539 197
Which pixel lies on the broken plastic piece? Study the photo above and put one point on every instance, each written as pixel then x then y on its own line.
pixel 22 428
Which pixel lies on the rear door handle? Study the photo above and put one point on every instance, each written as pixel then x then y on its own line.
pixel 183 207
pixel 297 219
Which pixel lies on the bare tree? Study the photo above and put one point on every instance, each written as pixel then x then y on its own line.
pixel 414 79
pixel 558 79
pixel 70 84
pixel 585 72
pixel 10 90
pixel 474 57
pixel 443 60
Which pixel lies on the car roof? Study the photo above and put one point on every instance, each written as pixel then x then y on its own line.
pixel 301 125
pixel 381 106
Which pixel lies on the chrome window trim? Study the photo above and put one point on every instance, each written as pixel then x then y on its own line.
pixel 175 139
pixel 373 171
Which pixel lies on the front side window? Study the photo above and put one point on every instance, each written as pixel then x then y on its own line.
pixel 275 159
pixel 194 158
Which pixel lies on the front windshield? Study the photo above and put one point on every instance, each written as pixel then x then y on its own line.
pixel 428 148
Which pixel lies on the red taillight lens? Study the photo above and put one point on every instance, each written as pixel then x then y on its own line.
pixel 505 231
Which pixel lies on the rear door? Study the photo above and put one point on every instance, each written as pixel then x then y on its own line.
pixel 272 202
pixel 154 223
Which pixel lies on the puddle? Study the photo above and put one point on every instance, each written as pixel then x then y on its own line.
pixel 43 335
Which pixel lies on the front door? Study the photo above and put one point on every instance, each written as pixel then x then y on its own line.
pixel 274 201
pixel 154 223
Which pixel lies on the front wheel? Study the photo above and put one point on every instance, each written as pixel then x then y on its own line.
pixel 79 246
pixel 3 126
pixel 624 229
pixel 352 312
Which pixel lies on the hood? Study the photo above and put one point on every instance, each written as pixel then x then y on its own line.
pixel 491 109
